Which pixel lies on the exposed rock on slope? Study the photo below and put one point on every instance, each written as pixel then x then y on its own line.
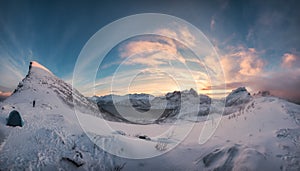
pixel 238 96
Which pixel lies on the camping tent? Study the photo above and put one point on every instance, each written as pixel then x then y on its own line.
pixel 14 119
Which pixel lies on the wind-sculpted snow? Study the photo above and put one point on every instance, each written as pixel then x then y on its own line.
pixel 236 157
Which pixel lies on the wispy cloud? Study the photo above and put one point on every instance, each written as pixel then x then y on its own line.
pixel 212 23
pixel 149 80
pixel 14 57
pixel 179 33
pixel 155 52
pixel 12 70
pixel 151 53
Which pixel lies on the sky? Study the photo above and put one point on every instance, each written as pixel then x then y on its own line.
pixel 257 42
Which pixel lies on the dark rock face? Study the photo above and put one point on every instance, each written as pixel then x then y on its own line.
pixel 263 93
pixel 204 99
pixel 227 155
pixel 140 102
pixel 237 97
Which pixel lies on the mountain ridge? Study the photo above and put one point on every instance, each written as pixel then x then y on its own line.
pixel 39 79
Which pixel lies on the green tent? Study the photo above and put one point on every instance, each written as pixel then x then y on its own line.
pixel 14 119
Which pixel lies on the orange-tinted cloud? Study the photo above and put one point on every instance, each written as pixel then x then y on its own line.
pixel 151 53
pixel 284 84
pixel 5 94
pixel 241 64
pixel 289 60
pixel 179 33
pixel 244 67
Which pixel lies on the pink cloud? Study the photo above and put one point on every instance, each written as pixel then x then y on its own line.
pixel 283 84
pixel 151 53
pixel 241 64
pixel 290 60
pixel 179 33
pixel 141 47
pixel 244 67
pixel 5 94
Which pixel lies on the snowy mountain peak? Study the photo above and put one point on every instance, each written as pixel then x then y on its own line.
pixel 38 70
pixel 34 64
pixel 43 86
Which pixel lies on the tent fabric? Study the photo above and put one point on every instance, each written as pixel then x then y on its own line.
pixel 14 119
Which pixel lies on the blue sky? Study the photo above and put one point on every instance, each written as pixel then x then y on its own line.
pixel 258 42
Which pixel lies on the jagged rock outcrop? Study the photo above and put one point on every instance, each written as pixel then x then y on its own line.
pixel 173 103
pixel 238 96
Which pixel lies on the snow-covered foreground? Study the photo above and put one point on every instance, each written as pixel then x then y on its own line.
pixel 262 134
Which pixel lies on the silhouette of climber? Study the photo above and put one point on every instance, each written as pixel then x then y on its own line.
pixel 33 103
pixel 30 66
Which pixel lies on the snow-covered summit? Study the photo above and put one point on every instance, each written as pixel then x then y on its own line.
pixel 34 64
pixel 51 138
pixel 40 84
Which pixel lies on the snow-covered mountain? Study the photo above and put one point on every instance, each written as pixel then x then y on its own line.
pixel 171 104
pixel 40 82
pixel 51 137
pixel 257 132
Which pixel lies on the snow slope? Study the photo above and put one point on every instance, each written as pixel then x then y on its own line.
pixel 264 135
pixel 51 136
pixel 261 134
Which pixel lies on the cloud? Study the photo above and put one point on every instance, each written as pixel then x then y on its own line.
pixel 283 84
pixel 5 94
pixel 14 59
pixel 242 63
pixel 179 33
pixel 244 67
pixel 229 86
pixel 12 71
pixel 290 60
pixel 149 80
pixel 151 53
pixel 212 23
